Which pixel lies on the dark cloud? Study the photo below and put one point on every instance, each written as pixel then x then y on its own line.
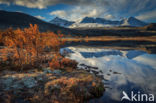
pixel 44 3
pixel 116 5
pixel 117 8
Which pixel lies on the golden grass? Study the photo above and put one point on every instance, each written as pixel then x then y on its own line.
pixel 111 38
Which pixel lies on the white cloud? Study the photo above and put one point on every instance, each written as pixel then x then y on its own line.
pixel 38 4
pixel 59 13
pixel 92 8
pixel 109 16
pixel 44 3
pixel 4 2
pixel 115 5
pixel 28 3
pixel 147 15
pixel 79 12
pixel 39 17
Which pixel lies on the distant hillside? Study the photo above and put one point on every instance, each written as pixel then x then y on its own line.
pixel 151 26
pixel 21 20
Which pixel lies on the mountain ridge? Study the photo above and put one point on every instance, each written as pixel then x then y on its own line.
pixel 100 22
pixel 61 22
pixel 132 21
pixel 22 20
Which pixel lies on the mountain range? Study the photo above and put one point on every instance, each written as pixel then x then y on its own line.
pixel 18 19
pixel 22 20
pixel 98 22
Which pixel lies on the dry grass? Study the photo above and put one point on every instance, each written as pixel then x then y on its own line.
pixel 74 87
pixel 111 38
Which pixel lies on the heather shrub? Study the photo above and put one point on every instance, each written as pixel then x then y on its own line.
pixel 59 62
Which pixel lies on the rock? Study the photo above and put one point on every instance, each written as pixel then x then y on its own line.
pixel 101 71
pixel 40 77
pixel 116 73
pixel 20 100
pixel 58 72
pixel 95 68
pixel 45 87
pixel 101 76
pixel 88 71
pixel 95 72
pixel 29 82
pixel 17 85
pixel 47 70
pixel 8 82
pixel 108 74
pixel 87 67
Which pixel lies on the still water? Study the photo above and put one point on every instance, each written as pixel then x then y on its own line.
pixel 121 70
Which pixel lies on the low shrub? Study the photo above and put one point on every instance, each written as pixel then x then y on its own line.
pixel 27 46
pixel 59 62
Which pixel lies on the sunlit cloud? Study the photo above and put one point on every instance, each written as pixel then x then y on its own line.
pixel 147 15
pixel 109 16
pixel 59 13
pixel 39 17
pixel 79 12
pixel 108 9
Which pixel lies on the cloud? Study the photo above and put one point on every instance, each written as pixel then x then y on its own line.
pixel 147 15
pixel 108 9
pixel 28 3
pixel 112 4
pixel 60 13
pixel 109 16
pixel 44 3
pixel 79 12
pixel 92 13
pixel 93 8
pixel 39 17
pixel 5 2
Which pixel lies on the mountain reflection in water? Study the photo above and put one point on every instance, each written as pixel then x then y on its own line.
pixel 130 70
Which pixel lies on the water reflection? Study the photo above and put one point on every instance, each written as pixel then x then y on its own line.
pixel 125 71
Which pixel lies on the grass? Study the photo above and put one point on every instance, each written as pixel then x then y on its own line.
pixel 77 86
pixel 111 38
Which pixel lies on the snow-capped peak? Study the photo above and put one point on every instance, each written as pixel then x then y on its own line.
pixel 90 22
pixel 61 22
pixel 132 21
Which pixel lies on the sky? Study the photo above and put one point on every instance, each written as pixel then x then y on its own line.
pixel 75 10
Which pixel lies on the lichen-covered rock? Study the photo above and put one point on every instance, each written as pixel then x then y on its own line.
pixel 47 70
pixel 57 72
pixel 29 82
pixel 56 86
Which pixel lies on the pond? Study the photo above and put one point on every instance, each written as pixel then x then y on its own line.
pixel 124 72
